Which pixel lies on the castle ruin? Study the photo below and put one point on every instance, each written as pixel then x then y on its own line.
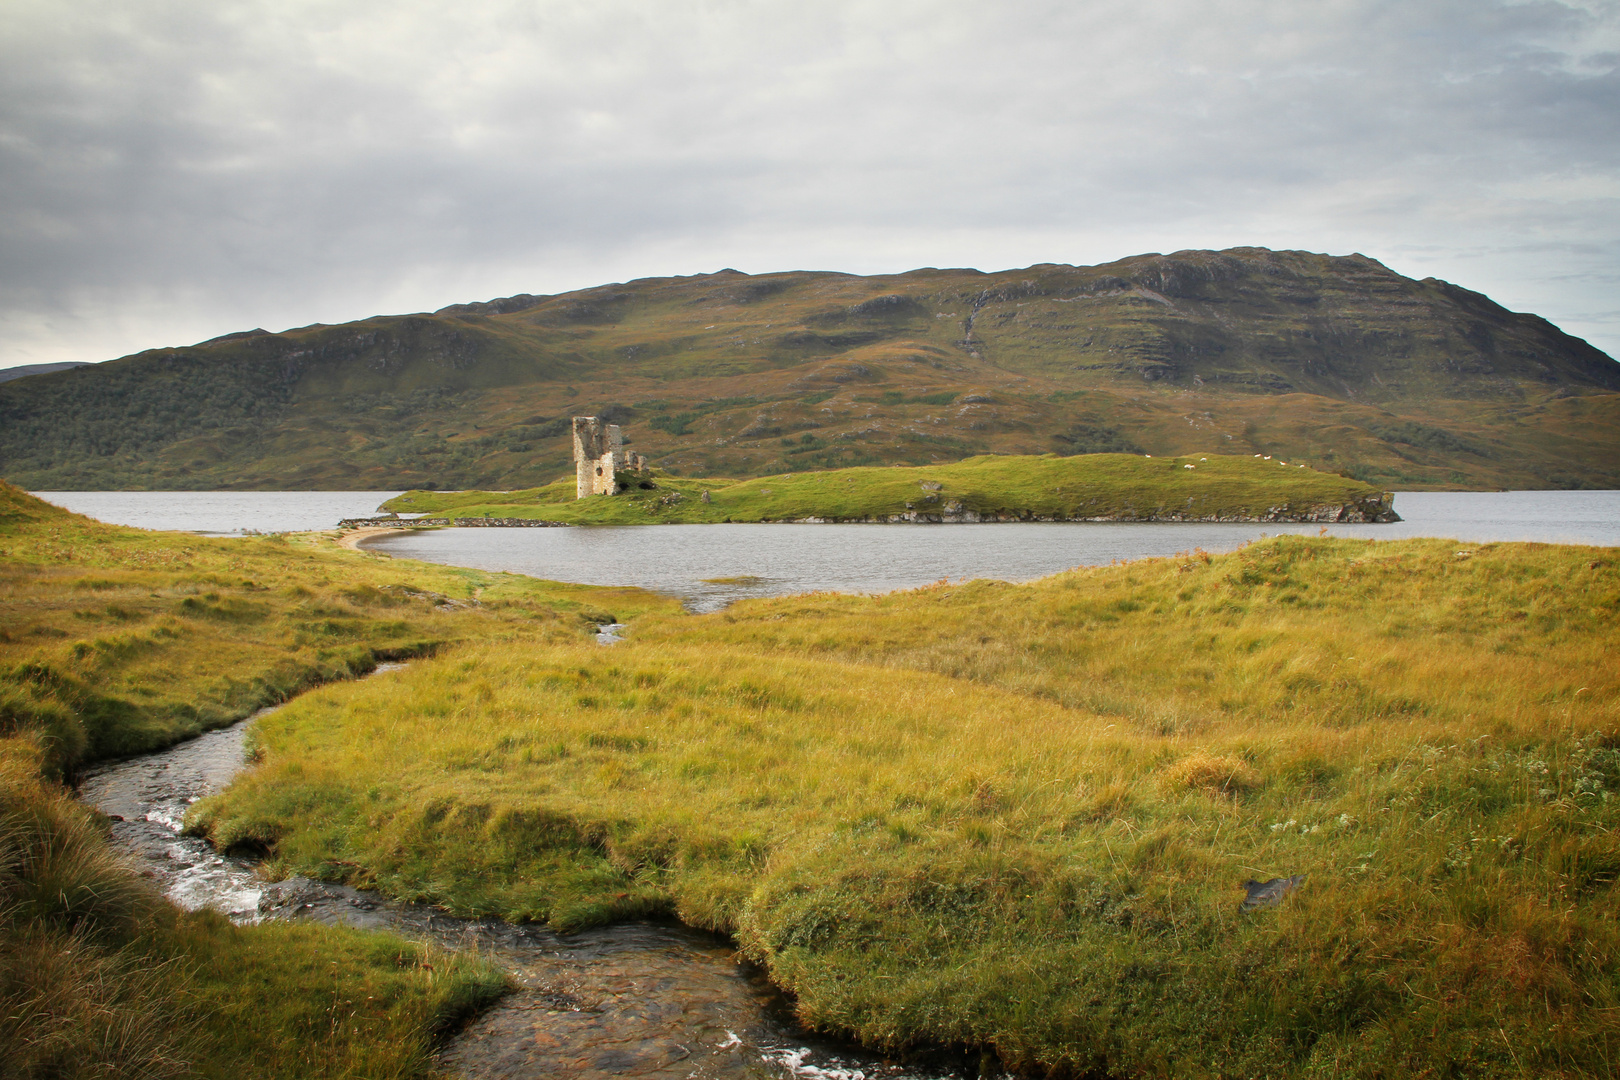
pixel 599 457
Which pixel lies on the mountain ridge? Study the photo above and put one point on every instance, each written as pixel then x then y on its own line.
pixel 23 371
pixel 1335 360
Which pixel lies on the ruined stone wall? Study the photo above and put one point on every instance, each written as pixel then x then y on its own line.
pixel 599 457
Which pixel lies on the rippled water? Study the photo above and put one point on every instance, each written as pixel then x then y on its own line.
pixel 709 566
pixel 712 565
pixel 148 797
pixel 633 1000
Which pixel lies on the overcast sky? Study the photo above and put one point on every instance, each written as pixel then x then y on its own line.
pixel 170 171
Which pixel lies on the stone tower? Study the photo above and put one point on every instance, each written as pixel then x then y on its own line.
pixel 598 453
pixel 599 457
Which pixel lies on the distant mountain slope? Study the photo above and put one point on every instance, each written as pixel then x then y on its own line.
pixel 1338 361
pixel 24 370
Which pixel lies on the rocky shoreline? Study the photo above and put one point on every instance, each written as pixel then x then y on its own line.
pixel 441 522
pixel 1366 512
pixel 1370 511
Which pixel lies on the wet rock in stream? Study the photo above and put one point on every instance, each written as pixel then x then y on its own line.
pixel 634 1000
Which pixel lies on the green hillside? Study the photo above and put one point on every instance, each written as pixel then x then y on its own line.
pixel 1095 487
pixel 1334 361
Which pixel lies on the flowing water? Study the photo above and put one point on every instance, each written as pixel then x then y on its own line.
pixel 147 798
pixel 632 1000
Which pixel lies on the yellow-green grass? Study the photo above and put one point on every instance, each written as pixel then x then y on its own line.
pixel 297 999
pixel 458 503
pixel 1020 815
pixel 99 977
pixel 118 640
pixel 1114 487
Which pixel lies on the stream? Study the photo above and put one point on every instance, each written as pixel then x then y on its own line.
pixel 636 1000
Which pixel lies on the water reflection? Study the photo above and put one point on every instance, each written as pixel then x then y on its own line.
pixel 222 513
pixel 710 566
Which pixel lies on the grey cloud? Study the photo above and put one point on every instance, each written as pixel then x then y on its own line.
pixel 183 169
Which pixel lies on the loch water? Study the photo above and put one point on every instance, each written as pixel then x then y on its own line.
pixel 709 566
pixel 222 513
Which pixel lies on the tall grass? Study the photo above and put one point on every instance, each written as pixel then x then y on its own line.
pixel 79 996
pixel 116 640
pixel 1021 816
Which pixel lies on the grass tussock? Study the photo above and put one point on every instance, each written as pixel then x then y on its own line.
pixel 1220 774
pixel 79 994
pixel 1021 815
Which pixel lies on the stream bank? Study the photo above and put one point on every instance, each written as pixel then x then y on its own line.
pixel 634 1000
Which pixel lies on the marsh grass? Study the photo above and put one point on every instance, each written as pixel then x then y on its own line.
pixel 114 641
pixel 1020 815
pixel 100 977
pixel 1013 816
pixel 1048 487
pixel 296 999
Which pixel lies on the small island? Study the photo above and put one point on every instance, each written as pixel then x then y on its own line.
pixel 1089 487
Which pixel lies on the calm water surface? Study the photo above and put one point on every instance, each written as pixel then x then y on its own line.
pixel 711 565
pixel 222 513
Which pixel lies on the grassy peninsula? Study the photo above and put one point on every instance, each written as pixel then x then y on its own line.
pixel 1015 817
pixel 1091 487
pixel 114 641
